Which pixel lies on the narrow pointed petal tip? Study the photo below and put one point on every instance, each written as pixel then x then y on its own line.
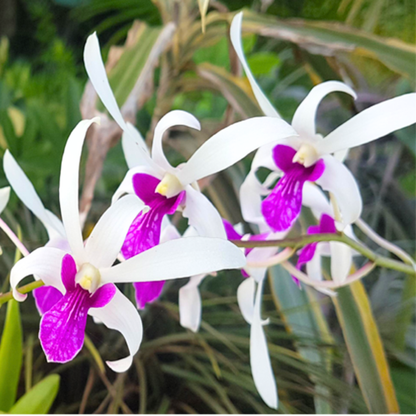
pixel 4 197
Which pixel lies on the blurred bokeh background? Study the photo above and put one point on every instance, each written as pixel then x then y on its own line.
pixel 290 46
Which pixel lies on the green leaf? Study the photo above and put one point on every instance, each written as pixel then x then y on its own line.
pixel 306 321
pixel 365 348
pixel 262 63
pixel 333 39
pixel 40 398
pixel 10 356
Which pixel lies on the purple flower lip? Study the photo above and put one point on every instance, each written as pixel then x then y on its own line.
pixel 306 254
pixel 62 326
pixel 282 207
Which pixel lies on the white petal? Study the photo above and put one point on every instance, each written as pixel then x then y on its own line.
pixel 45 262
pixel 338 180
pixel 120 314
pixel 261 367
pixel 4 197
pixel 341 261
pixel 371 124
pixel 245 298
pixel 134 147
pixel 68 189
pixel 304 119
pixel 169 231
pixel 173 118
pixel 315 199
pixel 94 66
pixel 190 303
pixel 232 144
pixel 107 237
pixel 27 194
pixel 235 34
pixel 258 255
pixel 177 258
pixel 313 267
pixel 250 199
pixel 202 215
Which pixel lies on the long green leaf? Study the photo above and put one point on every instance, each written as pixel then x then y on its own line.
pixel 365 348
pixel 10 356
pixel 304 320
pixel 40 398
pixel 327 38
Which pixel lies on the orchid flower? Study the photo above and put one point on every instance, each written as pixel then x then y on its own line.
pixel 45 296
pixel 86 275
pixel 164 188
pixel 308 157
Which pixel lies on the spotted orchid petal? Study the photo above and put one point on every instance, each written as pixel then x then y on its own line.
pixel 235 33
pixel 261 367
pixel 4 197
pixel 232 144
pixel 175 259
pixel 27 194
pixel 371 124
pixel 44 262
pixel 107 237
pixel 304 119
pixel 338 180
pixel 173 118
pixel 94 66
pixel 121 315
pixel 68 189
pixel 190 303
pixel 202 215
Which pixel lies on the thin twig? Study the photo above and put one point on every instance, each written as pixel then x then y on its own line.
pixel 87 391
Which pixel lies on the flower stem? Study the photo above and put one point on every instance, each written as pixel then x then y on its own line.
pixel 13 237
pixel 342 238
pixel 5 297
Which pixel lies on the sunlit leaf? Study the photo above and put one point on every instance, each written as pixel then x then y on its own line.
pixel 10 356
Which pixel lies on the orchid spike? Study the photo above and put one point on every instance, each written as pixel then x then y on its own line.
pixel 307 156
pixel 86 275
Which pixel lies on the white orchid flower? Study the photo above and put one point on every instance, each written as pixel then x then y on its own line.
pixel 86 275
pixel 307 156
pixel 164 188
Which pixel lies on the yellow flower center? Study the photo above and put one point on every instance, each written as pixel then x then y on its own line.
pixel 88 277
pixel 306 155
pixel 169 186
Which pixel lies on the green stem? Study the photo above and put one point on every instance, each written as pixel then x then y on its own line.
pixel 5 297
pixel 342 238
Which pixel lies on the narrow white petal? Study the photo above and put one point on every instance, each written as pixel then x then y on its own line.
pixel 202 215
pixel 190 303
pixel 121 315
pixel 94 66
pixel 371 124
pixel 245 297
pixel 235 34
pixel 304 119
pixel 173 118
pixel 313 267
pixel 338 180
pixel 169 231
pixel 341 261
pixel 4 197
pixel 45 263
pixel 232 144
pixel 250 199
pixel 27 194
pixel 261 367
pixel 315 199
pixel 177 258
pixel 68 189
pixel 134 147
pixel 107 237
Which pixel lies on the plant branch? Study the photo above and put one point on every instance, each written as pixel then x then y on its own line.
pixel 5 297
pixel 299 242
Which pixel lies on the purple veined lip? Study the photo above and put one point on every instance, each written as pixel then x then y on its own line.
pixel 306 254
pixel 62 327
pixel 282 207
pixel 144 233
